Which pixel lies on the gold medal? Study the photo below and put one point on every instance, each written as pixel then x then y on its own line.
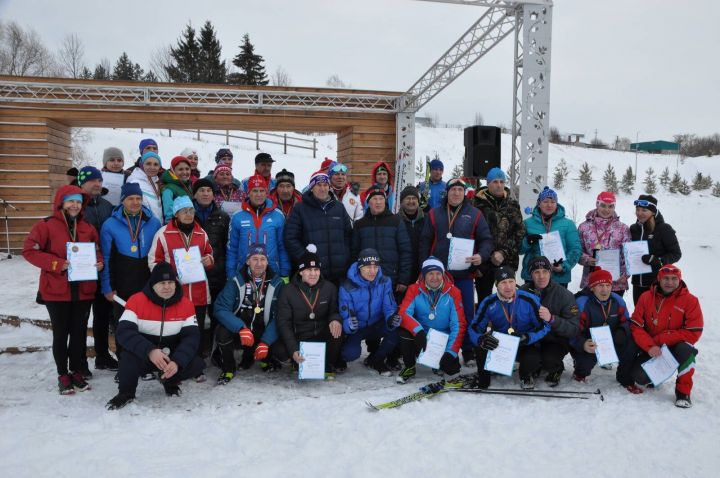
pixel 257 309
pixel 511 330
pixel 75 248
pixel 133 248
pixel 187 256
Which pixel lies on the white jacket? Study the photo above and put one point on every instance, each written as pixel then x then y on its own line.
pixel 151 199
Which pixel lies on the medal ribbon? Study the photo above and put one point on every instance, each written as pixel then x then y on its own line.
pixel 452 217
pixel 258 292
pixel 312 307
pixel 606 313
pixel 509 318
pixel 133 236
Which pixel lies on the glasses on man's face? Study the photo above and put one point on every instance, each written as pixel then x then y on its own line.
pixel 339 168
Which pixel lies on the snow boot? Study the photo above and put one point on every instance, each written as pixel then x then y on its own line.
pixel 225 378
pixel 106 363
pixel 65 386
pixel 79 382
pixel 553 378
pixel 405 374
pixel 119 401
pixel 527 383
pixel 634 389
pixel 682 400
pixel 172 389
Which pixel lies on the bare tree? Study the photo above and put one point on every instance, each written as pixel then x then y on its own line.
pixel 280 77
pixel 479 119
pixel 72 56
pixel 79 138
pixel 22 53
pixel 160 60
pixel 335 82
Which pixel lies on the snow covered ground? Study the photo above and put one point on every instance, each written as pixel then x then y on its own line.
pixel 275 426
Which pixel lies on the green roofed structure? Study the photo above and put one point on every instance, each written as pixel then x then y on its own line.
pixel 656 147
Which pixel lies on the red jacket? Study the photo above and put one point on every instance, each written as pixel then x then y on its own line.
pixel 169 238
pixel 285 208
pixel 45 247
pixel 679 319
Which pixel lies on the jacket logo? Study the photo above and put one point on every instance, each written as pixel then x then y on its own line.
pixel 269 219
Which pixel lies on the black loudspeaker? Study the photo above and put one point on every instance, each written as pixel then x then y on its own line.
pixel 482 150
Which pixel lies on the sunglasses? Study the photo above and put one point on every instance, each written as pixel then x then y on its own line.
pixel 643 203
pixel 339 168
pixel 669 270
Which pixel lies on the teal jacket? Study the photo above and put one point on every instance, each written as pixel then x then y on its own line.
pixel 570 240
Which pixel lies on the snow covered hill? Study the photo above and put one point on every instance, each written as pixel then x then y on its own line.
pixel 275 426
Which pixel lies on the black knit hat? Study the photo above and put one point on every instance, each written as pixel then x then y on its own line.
pixel 368 257
pixel 162 272
pixel 648 202
pixel 503 273
pixel 409 191
pixel 539 262
pixel 285 176
pixel 202 183
pixel 309 258
pixel 375 190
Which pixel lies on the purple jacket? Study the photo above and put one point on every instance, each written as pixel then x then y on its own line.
pixel 609 234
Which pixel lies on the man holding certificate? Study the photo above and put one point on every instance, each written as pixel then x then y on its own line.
pixel 433 302
pixel 668 315
pixel 604 325
pixel 186 247
pixel 511 312
pixel 308 312
pixel 458 235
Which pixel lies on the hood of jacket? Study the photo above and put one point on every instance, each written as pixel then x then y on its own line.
pixel 375 168
pixel 64 191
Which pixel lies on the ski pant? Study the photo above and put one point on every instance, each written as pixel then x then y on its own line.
pixel 684 353
pixel 200 316
pixel 227 342
pixel 467 293
pixel 351 349
pixel 626 351
pixel 638 290
pixel 410 352
pixel 133 367
pixel 102 311
pixel 69 320
pixel 484 285
pixel 528 356
pixel 332 348
pixel 552 353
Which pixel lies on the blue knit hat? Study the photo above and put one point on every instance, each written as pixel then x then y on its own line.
pixel 130 189
pixel 547 193
pixel 496 174
pixel 88 173
pixel 257 248
pixel 432 263
pixel 145 143
pixel 318 178
pixel 437 164
pixel 182 202
pixel 150 154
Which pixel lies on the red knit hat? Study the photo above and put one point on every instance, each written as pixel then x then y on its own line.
pixel 669 270
pixel 607 197
pixel 600 276
pixel 177 160
pixel 257 181
pixel 220 168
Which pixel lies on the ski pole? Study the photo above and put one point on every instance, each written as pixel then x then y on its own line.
pixel 517 393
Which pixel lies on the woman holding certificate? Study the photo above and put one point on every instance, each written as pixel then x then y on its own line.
pixel 185 245
pixel 602 236
pixel 549 233
pixel 65 249
pixel 662 243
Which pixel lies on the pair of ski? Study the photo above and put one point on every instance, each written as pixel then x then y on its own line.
pixel 467 384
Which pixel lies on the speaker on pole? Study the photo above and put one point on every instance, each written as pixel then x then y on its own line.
pixel 482 150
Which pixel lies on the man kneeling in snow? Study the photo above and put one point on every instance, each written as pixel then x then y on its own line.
pixel 157 331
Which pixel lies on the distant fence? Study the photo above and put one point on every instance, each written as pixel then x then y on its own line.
pixel 258 137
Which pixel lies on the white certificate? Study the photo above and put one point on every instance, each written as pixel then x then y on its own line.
pixel 605 347
pixel 231 207
pixel 609 260
pixel 189 265
pixel 436 344
pixel 459 250
pixel 113 183
pixel 633 252
pixel 502 359
pixel 661 368
pixel 551 246
pixel 82 258
pixel 313 367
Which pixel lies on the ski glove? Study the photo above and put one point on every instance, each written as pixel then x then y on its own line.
pixel 395 320
pixel 420 341
pixel 246 337
pixel 261 351
pixel 523 337
pixel 353 324
pixel 558 262
pixel 488 342
pixel 534 239
pixel 651 260
pixel 449 364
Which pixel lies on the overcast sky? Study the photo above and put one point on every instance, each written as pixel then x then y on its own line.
pixel 618 66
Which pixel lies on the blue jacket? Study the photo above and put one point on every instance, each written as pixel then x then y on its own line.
pixel 327 226
pixel 449 314
pixel 229 302
pixel 436 193
pixel 387 234
pixel 592 315
pixel 524 312
pixel 247 228
pixel 126 271
pixel 368 301
pixel 570 241
pixel 469 224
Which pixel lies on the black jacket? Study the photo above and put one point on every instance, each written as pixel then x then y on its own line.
pixel 293 313
pixel 662 243
pixel 414 228
pixel 387 234
pixel 97 211
pixel 327 226
pixel 561 304
pixel 217 226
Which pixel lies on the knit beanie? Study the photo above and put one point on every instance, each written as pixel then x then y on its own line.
pixel 145 143
pixel 130 189
pixel 496 174
pixel 504 273
pixel 177 160
pixel 285 176
pixel 182 202
pixel 409 191
pixel 547 193
pixel 162 272
pixel 647 201
pixel 221 153
pixel 202 183
pixel 150 154
pixel 309 259
pixel 599 276
pixel 539 262
pixel 111 153
pixel 432 263
pixel 368 257
pixel 88 173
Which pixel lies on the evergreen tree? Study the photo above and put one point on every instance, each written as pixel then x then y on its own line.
pixel 101 72
pixel 675 183
pixel 610 179
pixel 585 177
pixel 212 70
pixel 716 190
pixel 138 72
pixel 701 183
pixel 665 178
pixel 185 66
pixel 684 188
pixel 252 71
pixel 561 174
pixel 150 77
pixel 628 181
pixel 650 184
pixel 124 69
pixel 458 171
pixel 86 74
